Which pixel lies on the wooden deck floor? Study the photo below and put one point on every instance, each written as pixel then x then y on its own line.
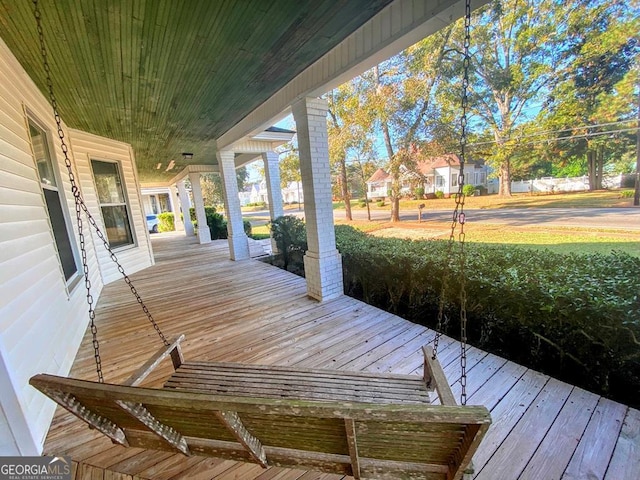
pixel 255 313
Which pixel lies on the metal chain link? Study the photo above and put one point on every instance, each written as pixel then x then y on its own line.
pixel 80 207
pixel 459 218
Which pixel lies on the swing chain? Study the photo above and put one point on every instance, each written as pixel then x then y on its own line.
pixel 460 201
pixel 80 207
pixel 459 218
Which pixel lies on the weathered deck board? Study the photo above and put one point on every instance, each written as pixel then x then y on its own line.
pixel 251 312
pixel 591 458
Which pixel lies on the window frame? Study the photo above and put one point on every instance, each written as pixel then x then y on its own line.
pixel 127 203
pixel 74 278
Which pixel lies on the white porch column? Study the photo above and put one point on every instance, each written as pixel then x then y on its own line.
pixel 204 235
pixel 238 242
pixel 174 202
pixel 322 262
pixel 274 189
pixel 185 204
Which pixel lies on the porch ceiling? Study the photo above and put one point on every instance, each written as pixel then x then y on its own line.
pixel 171 76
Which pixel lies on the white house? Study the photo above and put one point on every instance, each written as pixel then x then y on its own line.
pixel 293 193
pixel 433 174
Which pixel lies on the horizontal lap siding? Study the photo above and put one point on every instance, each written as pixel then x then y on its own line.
pixel 87 147
pixel 41 323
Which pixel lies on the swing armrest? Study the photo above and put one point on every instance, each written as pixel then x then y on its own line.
pixel 434 377
pixel 172 350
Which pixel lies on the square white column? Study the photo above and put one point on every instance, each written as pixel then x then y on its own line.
pixel 274 189
pixel 174 201
pixel 238 242
pixel 185 205
pixel 322 262
pixel 204 234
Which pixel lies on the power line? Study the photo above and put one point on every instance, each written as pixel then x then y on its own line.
pixel 585 135
pixel 546 132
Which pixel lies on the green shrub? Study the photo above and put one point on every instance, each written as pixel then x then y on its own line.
pixel 362 203
pixel 380 203
pixel 439 194
pixel 166 222
pixel 468 190
pixel 216 222
pixel 419 192
pixel 247 227
pixel 290 235
pixel 627 194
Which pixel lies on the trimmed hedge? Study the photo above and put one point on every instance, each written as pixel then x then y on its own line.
pixel 575 317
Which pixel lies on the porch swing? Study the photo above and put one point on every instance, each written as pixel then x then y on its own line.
pixel 367 425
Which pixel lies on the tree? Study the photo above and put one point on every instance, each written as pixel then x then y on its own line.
pixel 211 185
pixel 516 56
pixel 401 100
pixel 290 168
pixel 597 92
pixel 349 129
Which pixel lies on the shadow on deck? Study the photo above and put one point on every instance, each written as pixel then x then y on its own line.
pixel 252 312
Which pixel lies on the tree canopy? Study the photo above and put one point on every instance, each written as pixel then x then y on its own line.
pixel 549 81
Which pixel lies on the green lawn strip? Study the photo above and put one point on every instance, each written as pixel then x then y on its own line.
pixel 583 241
pixel 557 240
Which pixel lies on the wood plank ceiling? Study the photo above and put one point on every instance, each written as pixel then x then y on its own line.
pixel 170 76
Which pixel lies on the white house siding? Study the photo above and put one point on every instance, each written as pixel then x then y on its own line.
pixel 87 147
pixel 42 320
pixel 8 445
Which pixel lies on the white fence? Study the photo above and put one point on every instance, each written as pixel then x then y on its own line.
pixel 555 185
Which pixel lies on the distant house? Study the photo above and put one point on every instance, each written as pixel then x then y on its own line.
pixel 292 193
pixel 379 184
pixel 254 193
pixel 433 174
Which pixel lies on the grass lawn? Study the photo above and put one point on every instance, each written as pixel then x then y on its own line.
pixel 260 230
pixel 599 199
pixel 556 239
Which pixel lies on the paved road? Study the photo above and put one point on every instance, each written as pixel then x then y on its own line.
pixel 616 218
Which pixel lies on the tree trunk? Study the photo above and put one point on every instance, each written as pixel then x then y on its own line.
pixel 395 186
pixel 345 189
pixel 636 194
pixel 395 173
pixel 591 169
pixel 599 153
pixel 505 179
pixel 365 188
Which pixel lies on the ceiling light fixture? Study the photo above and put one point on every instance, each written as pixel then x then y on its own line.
pixel 187 155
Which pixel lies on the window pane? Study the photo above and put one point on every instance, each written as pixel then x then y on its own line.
pixel 43 159
pixel 108 182
pixel 63 243
pixel 116 221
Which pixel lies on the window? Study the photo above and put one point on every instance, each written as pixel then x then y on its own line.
pixel 439 181
pixel 454 179
pixel 113 202
pixel 52 197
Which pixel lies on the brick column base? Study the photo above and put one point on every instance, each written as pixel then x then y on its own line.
pixel 323 273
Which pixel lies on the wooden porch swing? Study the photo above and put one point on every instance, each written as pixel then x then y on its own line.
pixel 367 425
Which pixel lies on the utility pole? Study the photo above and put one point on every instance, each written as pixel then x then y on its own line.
pixel 636 196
